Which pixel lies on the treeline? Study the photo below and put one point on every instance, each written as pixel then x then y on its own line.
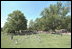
pixel 54 17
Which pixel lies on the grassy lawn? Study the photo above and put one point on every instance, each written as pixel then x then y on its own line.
pixel 36 41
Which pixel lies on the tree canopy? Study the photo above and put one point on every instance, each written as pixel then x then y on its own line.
pixel 53 17
pixel 16 21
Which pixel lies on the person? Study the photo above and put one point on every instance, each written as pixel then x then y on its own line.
pixel 11 36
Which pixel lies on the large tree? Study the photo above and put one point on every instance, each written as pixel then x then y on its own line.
pixel 16 21
pixel 54 17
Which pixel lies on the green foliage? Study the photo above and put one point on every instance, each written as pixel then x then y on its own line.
pixel 16 21
pixel 53 17
pixel 31 25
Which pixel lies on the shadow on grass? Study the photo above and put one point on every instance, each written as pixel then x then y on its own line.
pixel 24 33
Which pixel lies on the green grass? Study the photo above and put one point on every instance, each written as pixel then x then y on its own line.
pixel 31 41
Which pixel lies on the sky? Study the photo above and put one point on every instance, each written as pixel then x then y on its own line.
pixel 30 9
